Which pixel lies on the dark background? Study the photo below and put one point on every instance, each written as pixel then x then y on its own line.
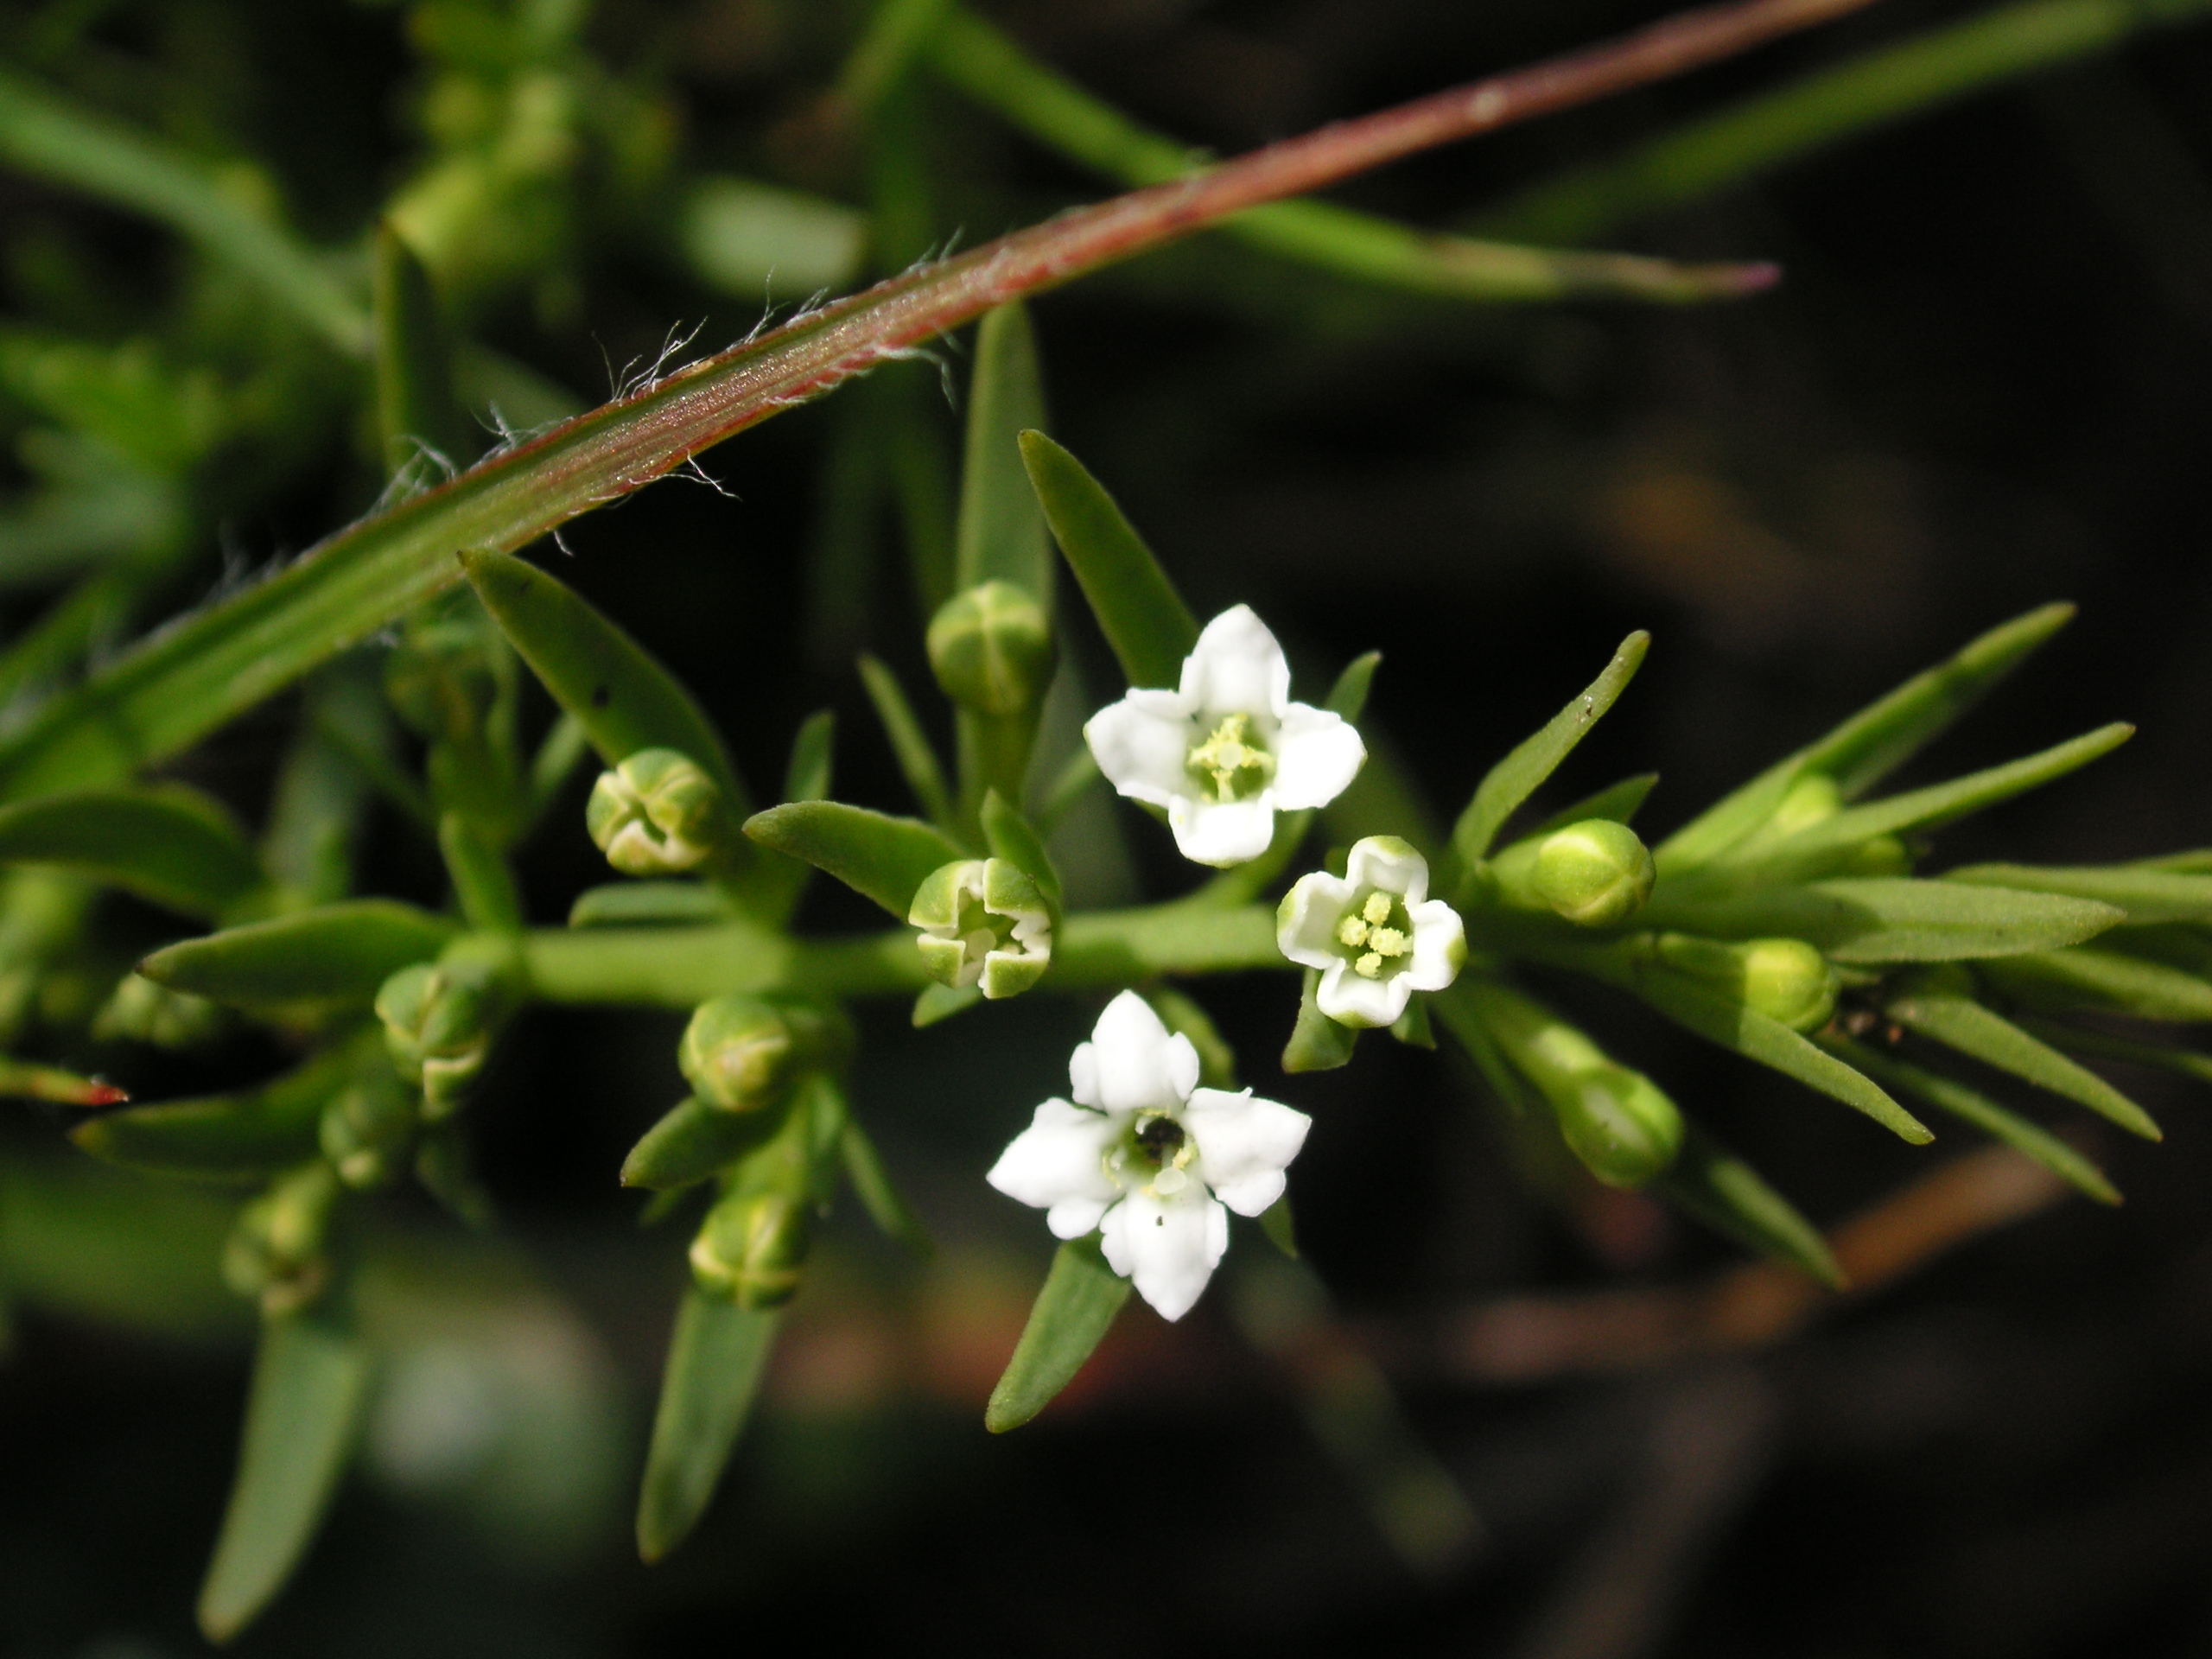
pixel 1982 385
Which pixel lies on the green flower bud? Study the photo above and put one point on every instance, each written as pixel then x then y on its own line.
pixel 1595 873
pixel 1786 980
pixel 440 680
pixel 985 922
pixel 366 1130
pixel 655 813
pixel 1618 1122
pixel 140 1011
pixel 992 649
pixel 753 1247
pixel 437 1025
pixel 1882 855
pixel 1811 798
pixel 276 1251
pixel 742 1053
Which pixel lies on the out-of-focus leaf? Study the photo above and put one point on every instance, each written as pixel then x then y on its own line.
pixel 1890 919
pixel 780 880
pixel 416 406
pixel 1070 1317
pixel 715 1359
pixel 691 1142
pixel 1617 802
pixel 649 904
pixel 918 762
pixel 339 954
pixel 481 880
pixel 84 1242
pixel 254 1132
pixel 2102 1045
pixel 310 1384
pixel 168 844
pixel 878 856
pixel 1725 1194
pixel 2085 977
pixel 1317 1042
pixel 873 1186
pixel 1002 531
pixel 747 239
pixel 2146 896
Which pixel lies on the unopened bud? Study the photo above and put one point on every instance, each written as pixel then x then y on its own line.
pixel 984 922
pixel 1811 798
pixel 437 1026
pixel 1595 873
pixel 742 1053
pixel 654 813
pixel 1786 980
pixel 753 1247
pixel 365 1132
pixel 141 1011
pixel 992 649
pixel 276 1251
pixel 1620 1124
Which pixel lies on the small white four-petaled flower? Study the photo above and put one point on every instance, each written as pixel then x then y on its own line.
pixel 1228 748
pixel 1374 932
pixel 1148 1158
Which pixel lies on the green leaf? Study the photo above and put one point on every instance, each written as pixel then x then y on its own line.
pixel 1891 919
pixel 1143 618
pixel 338 954
pixel 1617 802
pixel 1276 1221
pixel 937 1002
pixel 1770 1043
pixel 2088 978
pixel 1729 1196
pixel 2146 896
pixel 254 1132
pixel 1010 837
pixel 2180 1061
pixel 650 904
pixel 1513 779
pixel 168 844
pixel 1001 532
pixel 1077 777
pixel 1951 1016
pixel 1073 1314
pixel 692 1141
pixel 1872 742
pixel 872 1185
pixel 715 1359
pixel 1971 1106
pixel 1413 1027
pixel 1317 1042
pixel 481 880
pixel 910 746
pixel 565 745
pixel 878 856
pixel 310 1384
pixel 806 776
pixel 416 406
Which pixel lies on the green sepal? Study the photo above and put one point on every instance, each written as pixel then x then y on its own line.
pixel 1616 802
pixel 1894 918
pixel 1513 779
pixel 1070 1317
pixel 878 856
pixel 1009 837
pixel 1413 1027
pixel 1946 1011
pixel 2088 978
pixel 909 745
pixel 1757 1037
pixel 872 1185
pixel 482 883
pixel 304 1412
pixel 691 1142
pixel 416 404
pixel 1971 1106
pixel 242 1137
pixel 1317 1042
pixel 1276 1222
pixel 1143 618
pixel 715 1359
pixel 2145 896
pixel 1000 533
pixel 651 904
pixel 333 955
pixel 168 844
pixel 937 1002
pixel 1873 741
pixel 1720 1189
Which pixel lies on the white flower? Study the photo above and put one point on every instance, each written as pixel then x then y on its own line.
pixel 1227 749
pixel 983 922
pixel 1374 932
pixel 1148 1158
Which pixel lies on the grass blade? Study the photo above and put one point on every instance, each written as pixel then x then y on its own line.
pixel 715 1359
pixel 1070 1317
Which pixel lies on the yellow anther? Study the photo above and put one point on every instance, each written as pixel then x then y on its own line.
pixel 1386 942
pixel 1377 911
pixel 1224 754
pixel 1351 932
pixel 1368 966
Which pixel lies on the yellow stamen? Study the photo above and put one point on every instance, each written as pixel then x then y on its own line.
pixel 1368 966
pixel 1377 910
pixel 1351 932
pixel 1387 942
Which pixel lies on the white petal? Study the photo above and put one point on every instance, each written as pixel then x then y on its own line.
pixel 1136 1064
pixel 1318 753
pixel 1236 666
pixel 1307 920
pixel 1168 1248
pixel 1141 743
pixel 1351 999
pixel 1440 946
pixel 1385 862
pixel 1057 1159
pixel 1222 833
pixel 1073 1217
pixel 1244 1145
pixel 1083 1075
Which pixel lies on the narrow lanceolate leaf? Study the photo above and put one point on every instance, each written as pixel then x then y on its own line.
pixel 691 1142
pixel 715 1361
pixel 650 904
pixel 1002 533
pixel 780 880
pixel 1348 697
pixel 1513 779
pixel 1770 1043
pixel 32 1082
pixel 310 1382
pixel 1879 738
pixel 415 407
pixel 878 856
pixel 1009 837
pixel 2146 896
pixel 226 1137
pixel 1971 1106
pixel 1143 618
pixel 1072 1316
pixel 339 954
pixel 2181 1062
pixel 1729 1196
pixel 1891 919
pixel 872 1185
pixel 1618 803
pixel 909 745
pixel 1951 1017
pixel 1317 1042
pixel 1276 1222
pixel 170 844
pixel 2090 978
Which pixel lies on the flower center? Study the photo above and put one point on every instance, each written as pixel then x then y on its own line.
pixel 1230 762
pixel 979 933
pixel 1377 935
pixel 1154 1155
